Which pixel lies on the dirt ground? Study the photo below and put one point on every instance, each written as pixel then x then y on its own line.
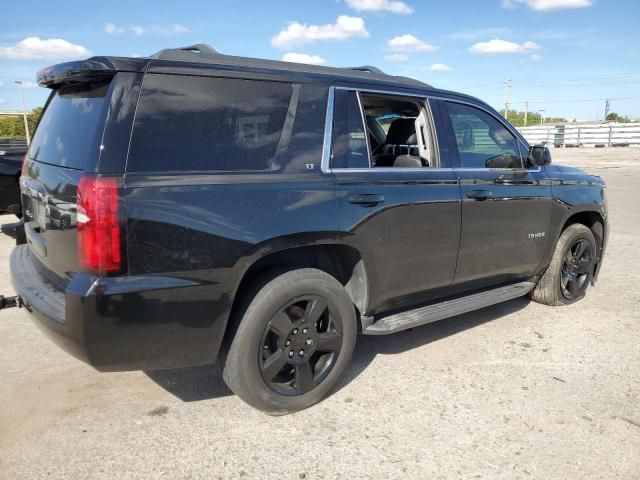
pixel 518 390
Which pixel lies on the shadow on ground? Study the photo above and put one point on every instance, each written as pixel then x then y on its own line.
pixel 9 229
pixel 205 382
pixel 192 384
pixel 368 346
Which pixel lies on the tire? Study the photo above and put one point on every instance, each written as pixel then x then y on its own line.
pixel 551 288
pixel 272 375
pixel 65 223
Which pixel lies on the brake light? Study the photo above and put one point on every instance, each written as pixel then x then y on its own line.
pixel 99 246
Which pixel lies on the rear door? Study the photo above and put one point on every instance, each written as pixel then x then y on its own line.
pixel 404 221
pixel 506 207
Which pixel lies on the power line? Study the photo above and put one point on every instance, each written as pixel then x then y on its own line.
pixel 574 101
pixel 627 78
pixel 573 85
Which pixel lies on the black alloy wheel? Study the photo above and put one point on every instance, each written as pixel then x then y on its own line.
pixel 576 270
pixel 300 345
pixel 295 334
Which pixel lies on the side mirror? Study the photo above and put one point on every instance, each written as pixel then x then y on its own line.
pixel 539 155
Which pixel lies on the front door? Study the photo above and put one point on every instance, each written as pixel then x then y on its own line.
pixel 506 207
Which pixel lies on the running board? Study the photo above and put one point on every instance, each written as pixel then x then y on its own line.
pixel 449 308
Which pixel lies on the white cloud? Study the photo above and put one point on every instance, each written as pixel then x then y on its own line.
pixel 113 29
pixel 535 57
pixel 297 34
pixel 173 29
pixel 409 43
pixel 440 67
pixel 397 57
pixel 393 6
pixel 36 48
pixel 502 47
pixel 170 29
pixel 548 5
pixel 477 34
pixel 303 58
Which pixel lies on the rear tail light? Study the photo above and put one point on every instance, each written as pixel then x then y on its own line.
pixel 99 240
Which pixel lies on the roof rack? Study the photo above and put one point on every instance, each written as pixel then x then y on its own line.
pixel 198 48
pixel 204 52
pixel 366 68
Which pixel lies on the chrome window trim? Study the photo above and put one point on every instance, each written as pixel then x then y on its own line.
pixel 384 92
pixel 328 131
pixel 365 129
pixel 498 169
pixel 392 169
pixel 519 138
pixel 434 134
pixel 500 119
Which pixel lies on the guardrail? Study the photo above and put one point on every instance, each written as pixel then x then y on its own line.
pixel 12 142
pixel 584 135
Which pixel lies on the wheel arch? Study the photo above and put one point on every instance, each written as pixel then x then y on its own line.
pixel 342 262
pixel 594 221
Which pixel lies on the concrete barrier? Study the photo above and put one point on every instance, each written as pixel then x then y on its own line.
pixel 584 135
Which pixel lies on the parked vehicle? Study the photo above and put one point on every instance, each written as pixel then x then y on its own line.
pixel 11 156
pixel 260 214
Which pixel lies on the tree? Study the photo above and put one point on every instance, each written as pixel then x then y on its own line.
pixel 13 127
pixel 614 117
pixel 533 118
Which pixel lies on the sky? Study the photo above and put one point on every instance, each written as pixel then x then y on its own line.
pixel 565 57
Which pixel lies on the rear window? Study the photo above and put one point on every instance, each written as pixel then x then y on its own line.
pixel 71 127
pixel 188 123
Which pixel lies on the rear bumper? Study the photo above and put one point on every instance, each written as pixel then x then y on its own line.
pixel 125 323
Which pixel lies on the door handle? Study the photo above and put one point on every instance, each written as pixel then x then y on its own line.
pixel 479 194
pixel 366 199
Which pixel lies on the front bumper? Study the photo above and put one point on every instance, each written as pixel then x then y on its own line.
pixel 124 323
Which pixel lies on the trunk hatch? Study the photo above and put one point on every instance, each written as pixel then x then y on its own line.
pixel 66 145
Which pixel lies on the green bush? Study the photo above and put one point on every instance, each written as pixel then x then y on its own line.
pixel 13 127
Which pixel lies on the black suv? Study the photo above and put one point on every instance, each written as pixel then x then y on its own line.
pixel 193 207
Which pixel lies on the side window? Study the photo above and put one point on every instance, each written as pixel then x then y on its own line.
pixel 189 123
pixel 349 139
pixel 482 141
pixel 399 131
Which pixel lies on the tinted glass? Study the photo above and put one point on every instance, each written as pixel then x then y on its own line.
pixel 71 127
pixel 349 140
pixel 482 141
pixel 186 123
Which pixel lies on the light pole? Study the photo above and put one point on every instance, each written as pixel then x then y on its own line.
pixel 24 112
pixel 541 116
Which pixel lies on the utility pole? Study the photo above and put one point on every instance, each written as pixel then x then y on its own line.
pixel 541 116
pixel 607 106
pixel 507 86
pixel 526 112
pixel 24 113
